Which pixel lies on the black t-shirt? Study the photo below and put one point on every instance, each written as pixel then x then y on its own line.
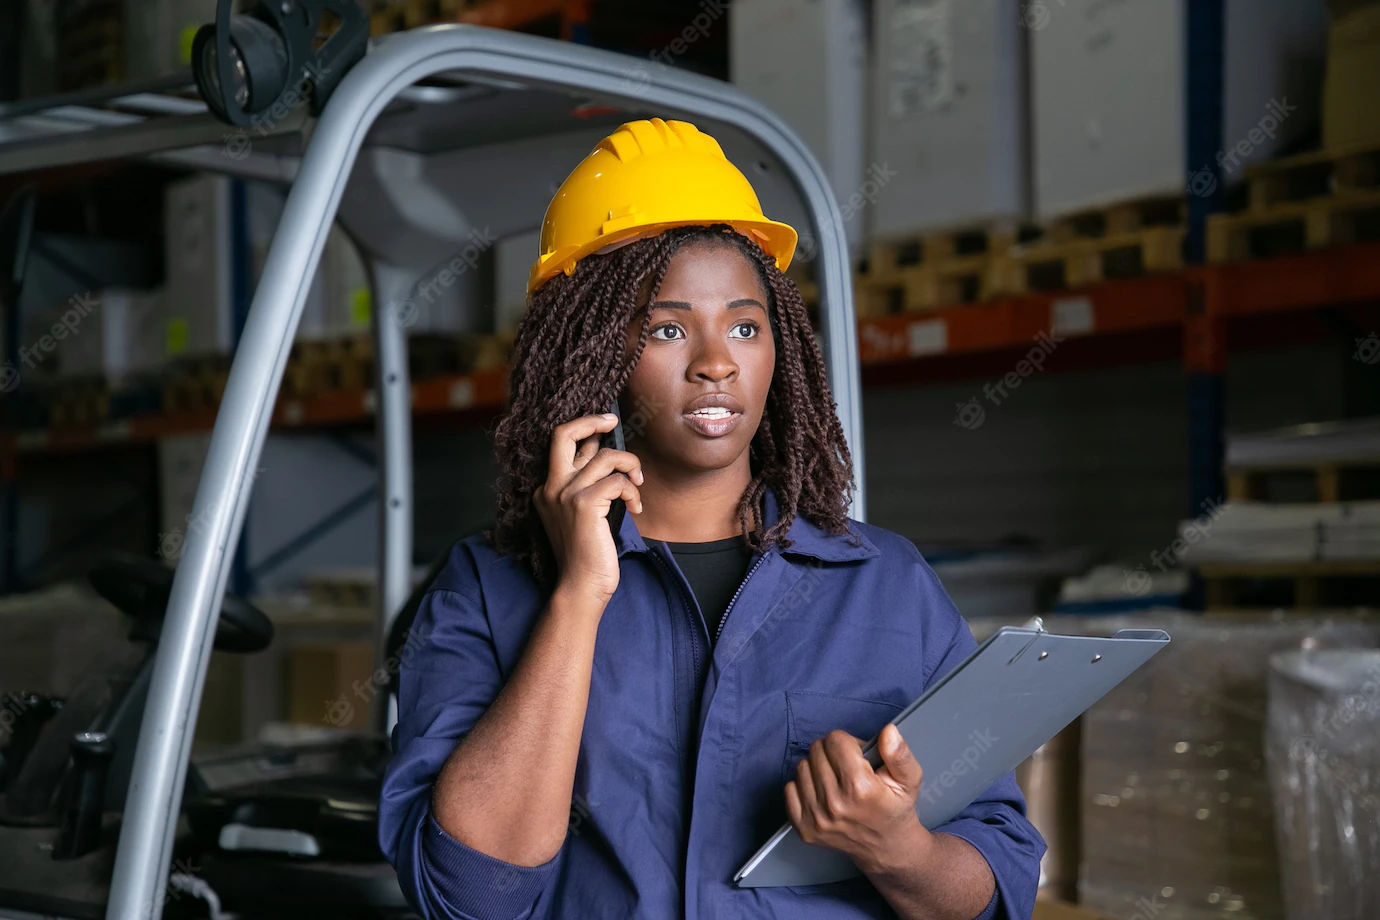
pixel 715 570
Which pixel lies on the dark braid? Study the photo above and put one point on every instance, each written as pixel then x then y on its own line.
pixel 569 360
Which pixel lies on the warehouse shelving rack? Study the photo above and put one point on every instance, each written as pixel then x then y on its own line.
pixel 1185 313
pixel 426 78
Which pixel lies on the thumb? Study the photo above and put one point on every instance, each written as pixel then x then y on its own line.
pixel 897 758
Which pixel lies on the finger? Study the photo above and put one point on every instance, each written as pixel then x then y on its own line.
pixel 794 809
pixel 611 487
pixel 604 463
pixel 897 758
pixel 565 441
pixel 845 752
pixel 805 780
pixel 587 449
pixel 826 780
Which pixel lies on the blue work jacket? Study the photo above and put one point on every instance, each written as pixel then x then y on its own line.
pixel 685 751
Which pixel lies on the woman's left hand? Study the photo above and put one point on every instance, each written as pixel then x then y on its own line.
pixel 837 800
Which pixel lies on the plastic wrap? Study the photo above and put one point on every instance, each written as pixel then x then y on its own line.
pixel 1177 819
pixel 1323 751
pixel 1049 781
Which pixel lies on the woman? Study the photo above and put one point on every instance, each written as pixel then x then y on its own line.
pixel 608 716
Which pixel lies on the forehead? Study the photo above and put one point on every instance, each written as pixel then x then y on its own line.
pixel 705 271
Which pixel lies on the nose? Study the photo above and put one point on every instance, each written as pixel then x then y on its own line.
pixel 712 361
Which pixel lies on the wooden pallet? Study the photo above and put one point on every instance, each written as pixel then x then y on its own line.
pixel 940 269
pixel 82 401
pixel 1346 217
pixel 1133 254
pixel 342 590
pixel 348 363
pixel 333 364
pixel 1355 480
pixel 196 384
pixel 1312 175
pixel 490 352
pixel 91 47
pixel 1300 585
pixel 397 15
pixel 1127 240
pixel 1311 201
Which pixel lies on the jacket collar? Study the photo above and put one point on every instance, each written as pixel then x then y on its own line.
pixel 807 539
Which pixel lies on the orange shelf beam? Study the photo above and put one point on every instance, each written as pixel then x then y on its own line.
pixel 519 14
pixel 1198 301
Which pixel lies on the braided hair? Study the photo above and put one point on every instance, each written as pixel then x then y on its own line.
pixel 569 360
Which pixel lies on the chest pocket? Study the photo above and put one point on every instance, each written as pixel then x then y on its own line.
pixel 811 715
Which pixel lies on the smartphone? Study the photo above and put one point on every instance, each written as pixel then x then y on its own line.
pixel 614 439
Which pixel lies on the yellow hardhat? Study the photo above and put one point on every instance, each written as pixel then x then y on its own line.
pixel 646 177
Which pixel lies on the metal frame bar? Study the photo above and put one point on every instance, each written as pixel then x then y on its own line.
pixel 160 764
pixel 393 386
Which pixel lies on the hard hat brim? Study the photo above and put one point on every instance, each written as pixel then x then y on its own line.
pixel 778 240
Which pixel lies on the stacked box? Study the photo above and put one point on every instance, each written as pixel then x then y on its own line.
pixel 807 61
pixel 1350 116
pixel 949 114
pixel 1110 97
pixel 264 209
pixel 1176 807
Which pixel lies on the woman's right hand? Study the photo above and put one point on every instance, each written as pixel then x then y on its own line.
pixel 582 482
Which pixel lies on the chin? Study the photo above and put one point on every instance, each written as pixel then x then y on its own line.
pixel 704 456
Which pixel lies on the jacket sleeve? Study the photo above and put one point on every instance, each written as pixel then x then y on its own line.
pixel 448 675
pixel 995 823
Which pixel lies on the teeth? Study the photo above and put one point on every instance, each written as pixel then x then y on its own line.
pixel 715 412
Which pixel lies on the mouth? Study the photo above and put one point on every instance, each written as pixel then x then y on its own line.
pixel 712 422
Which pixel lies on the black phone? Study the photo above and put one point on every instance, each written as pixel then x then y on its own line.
pixel 614 439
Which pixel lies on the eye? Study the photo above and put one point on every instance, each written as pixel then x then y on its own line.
pixel 752 328
pixel 662 327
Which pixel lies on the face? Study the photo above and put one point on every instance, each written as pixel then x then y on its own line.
pixel 708 339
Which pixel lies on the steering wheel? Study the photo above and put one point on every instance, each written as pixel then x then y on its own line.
pixel 140 589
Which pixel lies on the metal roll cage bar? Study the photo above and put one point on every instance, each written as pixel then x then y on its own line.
pixel 474 54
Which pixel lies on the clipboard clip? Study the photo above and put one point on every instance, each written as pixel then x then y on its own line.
pixel 1035 623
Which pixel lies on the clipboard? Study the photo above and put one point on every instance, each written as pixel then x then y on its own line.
pixel 1017 690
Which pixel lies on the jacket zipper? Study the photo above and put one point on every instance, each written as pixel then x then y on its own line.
pixel 724 619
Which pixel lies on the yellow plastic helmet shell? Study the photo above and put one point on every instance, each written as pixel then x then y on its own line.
pixel 646 177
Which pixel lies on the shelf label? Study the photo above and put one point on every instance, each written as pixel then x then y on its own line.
pixel 1071 316
pixel 177 335
pixel 927 338
pixel 462 394
pixel 116 431
pixel 361 306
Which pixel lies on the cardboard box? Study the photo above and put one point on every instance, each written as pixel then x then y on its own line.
pixel 1110 99
pixel 330 684
pixel 199 263
pixel 807 60
pixel 346 287
pixel 1178 820
pixel 949 114
pixel 158 34
pixel 513 258
pixel 1350 115
pixel 339 302
pixel 121 335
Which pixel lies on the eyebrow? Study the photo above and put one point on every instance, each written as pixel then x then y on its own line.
pixel 682 305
